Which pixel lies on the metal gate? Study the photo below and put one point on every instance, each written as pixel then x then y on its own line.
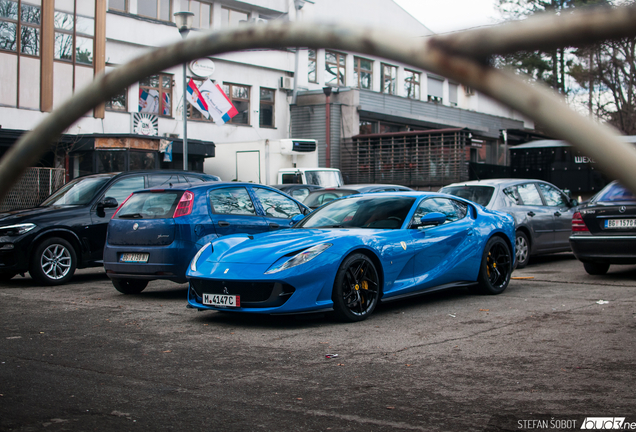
pixel 33 187
pixel 415 159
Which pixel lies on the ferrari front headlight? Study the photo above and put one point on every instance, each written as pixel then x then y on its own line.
pixel 300 258
pixel 193 264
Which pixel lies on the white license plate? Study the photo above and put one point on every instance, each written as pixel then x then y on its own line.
pixel 134 257
pixel 222 300
pixel 620 223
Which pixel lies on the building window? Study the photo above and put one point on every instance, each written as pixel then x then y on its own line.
pixel 74 36
pixel 363 73
pixel 240 97
pixel 118 5
pixel 266 110
pixel 389 78
pixel 335 67
pixel 411 84
pixel 202 13
pixel 452 96
pixel 193 113
pixel 435 90
pixel 155 95
pixel 157 9
pixel 118 102
pixel 312 66
pixel 232 18
pixel 18 17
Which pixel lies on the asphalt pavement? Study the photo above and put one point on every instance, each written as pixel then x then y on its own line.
pixel 556 347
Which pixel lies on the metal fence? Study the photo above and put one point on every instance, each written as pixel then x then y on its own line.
pixel 415 159
pixel 33 187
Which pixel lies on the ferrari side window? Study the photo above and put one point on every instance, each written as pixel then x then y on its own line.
pixel 453 210
pixel 276 205
pixel 231 201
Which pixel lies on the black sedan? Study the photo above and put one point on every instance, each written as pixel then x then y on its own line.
pixel 604 230
pixel 68 230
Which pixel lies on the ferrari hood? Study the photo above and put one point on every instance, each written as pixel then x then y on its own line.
pixel 269 247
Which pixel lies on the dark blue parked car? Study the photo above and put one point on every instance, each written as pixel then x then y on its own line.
pixel 156 232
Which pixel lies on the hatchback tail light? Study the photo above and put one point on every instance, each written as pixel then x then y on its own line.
pixel 578 224
pixel 120 206
pixel 184 207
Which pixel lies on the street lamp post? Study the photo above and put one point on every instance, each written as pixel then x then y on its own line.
pixel 184 25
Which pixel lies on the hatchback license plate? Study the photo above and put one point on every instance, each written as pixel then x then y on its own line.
pixel 620 223
pixel 134 257
pixel 221 300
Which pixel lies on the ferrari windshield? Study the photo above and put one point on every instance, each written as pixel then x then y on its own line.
pixel 78 192
pixel 386 212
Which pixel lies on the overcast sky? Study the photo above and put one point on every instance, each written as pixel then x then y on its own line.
pixel 444 16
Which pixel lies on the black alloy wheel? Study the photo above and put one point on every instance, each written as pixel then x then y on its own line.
pixel 496 267
pixel 130 286
pixel 356 290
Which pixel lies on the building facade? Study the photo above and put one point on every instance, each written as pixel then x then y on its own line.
pixel 50 49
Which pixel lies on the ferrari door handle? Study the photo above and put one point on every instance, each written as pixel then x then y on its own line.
pixel 531 213
pixel 274 225
pixel 557 213
pixel 224 224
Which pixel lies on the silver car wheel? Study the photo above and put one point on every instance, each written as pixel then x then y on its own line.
pixel 55 261
pixel 521 248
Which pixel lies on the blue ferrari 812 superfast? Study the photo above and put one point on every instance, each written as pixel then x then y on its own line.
pixel 354 252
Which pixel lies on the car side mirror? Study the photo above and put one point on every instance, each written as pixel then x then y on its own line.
pixel 297 219
pixel 108 202
pixel 573 203
pixel 432 219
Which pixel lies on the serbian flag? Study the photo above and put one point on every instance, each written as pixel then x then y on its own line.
pixel 219 105
pixel 196 99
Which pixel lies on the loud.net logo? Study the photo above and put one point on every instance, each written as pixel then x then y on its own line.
pixel 607 423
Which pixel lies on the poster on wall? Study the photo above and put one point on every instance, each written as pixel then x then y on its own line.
pixel 145 124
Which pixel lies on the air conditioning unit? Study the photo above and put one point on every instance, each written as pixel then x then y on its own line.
pixel 286 83
pixel 297 146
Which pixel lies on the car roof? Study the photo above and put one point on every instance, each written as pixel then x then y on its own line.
pixel 194 186
pixel 494 182
pixel 158 171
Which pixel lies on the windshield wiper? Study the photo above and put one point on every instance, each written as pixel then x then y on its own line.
pixel 330 226
pixel 131 216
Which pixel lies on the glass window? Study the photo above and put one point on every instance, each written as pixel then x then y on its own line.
pixel 276 204
pixel 79 191
pixel 553 197
pixel 411 84
pixel 155 95
pixel 363 73
pixel 479 194
pixel 266 110
pixel 389 78
pixel 111 161
pixel 233 201
pixel 335 67
pixel 193 113
pixel 240 97
pixel 300 194
pixel 614 192
pixel 118 102
pixel 150 206
pixel 124 187
pixel 27 26
pixel 202 13
pixel 155 180
pixel 435 90
pixel 232 18
pixel 512 196
pixel 454 210
pixel 311 76
pixel 452 96
pixel 74 37
pixel 529 194
pixel 142 160
pixel 120 5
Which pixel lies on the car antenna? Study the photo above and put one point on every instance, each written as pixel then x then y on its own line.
pixel 474 171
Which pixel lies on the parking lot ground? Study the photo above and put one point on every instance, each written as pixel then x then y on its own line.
pixel 83 357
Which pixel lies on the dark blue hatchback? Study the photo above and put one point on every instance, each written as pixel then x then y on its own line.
pixel 156 232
